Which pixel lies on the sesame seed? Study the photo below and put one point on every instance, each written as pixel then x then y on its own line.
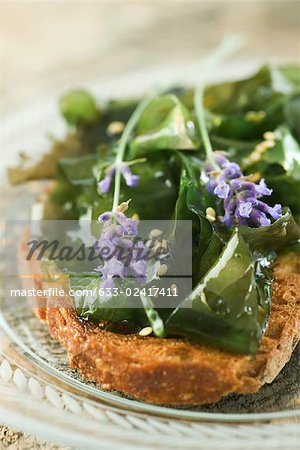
pixel 210 214
pixel 164 245
pixel 269 144
pixel 156 247
pixel 162 270
pixel 150 243
pixel 155 233
pixel 155 250
pixel 174 289
pixel 145 331
pixel 115 127
pixel 261 114
pixel 260 148
pixel 211 211
pixel 269 136
pixel 255 156
pixel 210 218
pixel 255 116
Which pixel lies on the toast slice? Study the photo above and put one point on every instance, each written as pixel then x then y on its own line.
pixel 177 371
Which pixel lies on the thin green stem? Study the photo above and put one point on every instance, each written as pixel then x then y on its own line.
pixel 229 45
pixel 131 124
pixel 199 108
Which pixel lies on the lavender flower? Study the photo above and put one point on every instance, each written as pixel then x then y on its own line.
pixel 123 254
pixel 104 185
pixel 240 196
pixel 130 179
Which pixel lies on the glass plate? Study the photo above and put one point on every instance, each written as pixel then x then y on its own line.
pixel 28 347
pixel 276 400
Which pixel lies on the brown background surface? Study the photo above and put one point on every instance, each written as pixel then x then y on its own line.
pixel 44 45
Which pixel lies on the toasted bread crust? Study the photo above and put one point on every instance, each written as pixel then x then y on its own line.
pixel 177 371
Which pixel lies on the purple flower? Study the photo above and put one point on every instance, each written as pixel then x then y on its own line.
pixel 244 209
pixel 113 267
pixel 220 159
pixel 104 217
pixel 276 211
pixel 231 170
pixel 123 254
pixel 130 179
pixel 262 188
pixel 260 218
pixel 130 226
pixel 104 184
pixel 138 270
pixel 240 196
pixel 222 190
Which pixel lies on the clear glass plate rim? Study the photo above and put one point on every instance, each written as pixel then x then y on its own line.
pixel 140 407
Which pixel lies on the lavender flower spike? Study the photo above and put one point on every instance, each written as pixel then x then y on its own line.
pixel 222 190
pixel 104 185
pixel 122 253
pixel 239 196
pixel 131 180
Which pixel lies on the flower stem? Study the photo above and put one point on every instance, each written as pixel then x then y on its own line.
pixel 131 124
pixel 229 45
pixel 199 108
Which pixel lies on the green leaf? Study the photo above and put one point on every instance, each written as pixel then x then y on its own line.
pixel 165 125
pixel 292 73
pixel 229 307
pixel 273 237
pixel 63 192
pixel 79 170
pixel 285 153
pixel 212 252
pixel 292 115
pixel 191 204
pixel 102 308
pixel 255 93
pixel 46 167
pixel 136 311
pixel 280 166
pixel 244 109
pixel 78 107
pixel 155 195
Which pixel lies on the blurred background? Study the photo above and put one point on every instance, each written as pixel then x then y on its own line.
pixel 46 45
